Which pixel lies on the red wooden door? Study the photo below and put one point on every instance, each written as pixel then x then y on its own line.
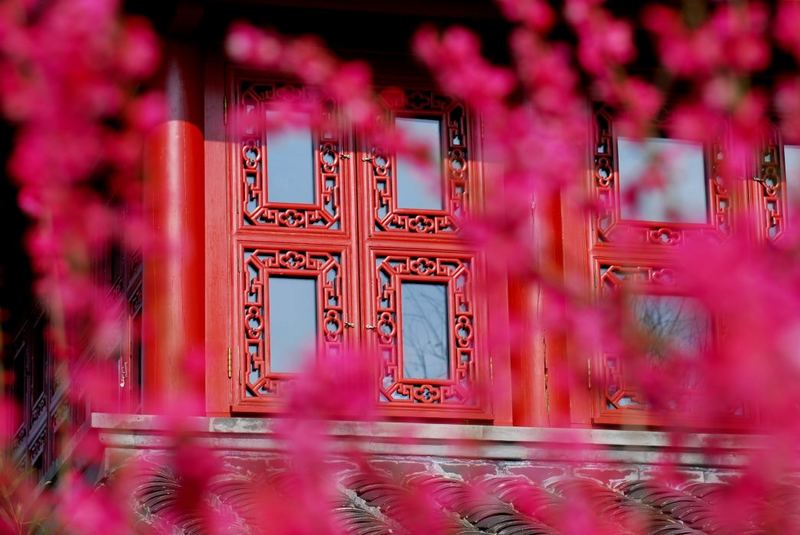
pixel 412 252
pixel 630 252
pixel 344 246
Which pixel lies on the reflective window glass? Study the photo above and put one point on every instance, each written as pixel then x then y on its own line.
pixel 791 156
pixel 671 324
pixel 424 316
pixel 290 163
pixel 292 321
pixel 419 185
pixel 662 180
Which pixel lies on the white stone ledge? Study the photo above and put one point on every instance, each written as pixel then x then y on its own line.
pixel 147 432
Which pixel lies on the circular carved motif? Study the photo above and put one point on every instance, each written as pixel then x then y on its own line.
pixel 420 223
pixel 463 331
pixel 291 218
pixel 251 156
pixel 292 260
pixel 423 266
pixel 664 236
pixel 386 327
pixel 253 320
pixel 333 325
pixel 602 172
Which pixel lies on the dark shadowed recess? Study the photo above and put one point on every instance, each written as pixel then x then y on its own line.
pixel 16 296
pixel 379 32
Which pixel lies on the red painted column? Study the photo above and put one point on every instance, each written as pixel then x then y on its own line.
pixel 173 273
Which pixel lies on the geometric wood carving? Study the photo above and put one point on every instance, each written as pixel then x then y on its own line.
pixel 380 169
pixel 359 247
pixel 325 212
pixel 608 225
pixel 258 264
pixel 456 273
pixel 770 176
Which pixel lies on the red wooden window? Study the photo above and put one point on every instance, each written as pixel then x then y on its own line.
pixel 338 243
pixel 609 225
pixel 667 326
pixel 631 240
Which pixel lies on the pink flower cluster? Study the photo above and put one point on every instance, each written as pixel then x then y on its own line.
pixel 534 114
pixel 70 78
pixel 69 74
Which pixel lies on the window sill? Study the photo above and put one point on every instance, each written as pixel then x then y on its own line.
pixel 121 432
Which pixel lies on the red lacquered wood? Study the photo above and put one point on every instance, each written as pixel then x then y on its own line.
pixel 173 282
pixel 577 273
pixel 218 258
pixel 602 250
pixel 769 195
pixel 344 229
pixel 433 234
pixel 545 356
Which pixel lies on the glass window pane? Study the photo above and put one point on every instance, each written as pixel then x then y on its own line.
pixel 290 163
pixel 420 185
pixel 292 321
pixel 671 324
pixel 791 156
pixel 425 347
pixel 668 177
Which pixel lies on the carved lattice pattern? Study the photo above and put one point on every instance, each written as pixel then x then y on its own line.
pixel 381 170
pixel 325 214
pixel 456 273
pixel 612 277
pixel 344 247
pixel 771 188
pixel 618 395
pixel 258 265
pixel 617 392
pixel 607 223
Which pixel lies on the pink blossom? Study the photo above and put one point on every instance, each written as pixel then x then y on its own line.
pixel 787 104
pixel 71 72
pixel 786 21
pixel 535 14
pixel 139 49
pixel 81 508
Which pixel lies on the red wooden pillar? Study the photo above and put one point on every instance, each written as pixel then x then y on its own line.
pixel 538 362
pixel 173 283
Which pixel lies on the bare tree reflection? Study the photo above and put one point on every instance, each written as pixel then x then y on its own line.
pixel 671 324
pixel 425 333
pixel 674 330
